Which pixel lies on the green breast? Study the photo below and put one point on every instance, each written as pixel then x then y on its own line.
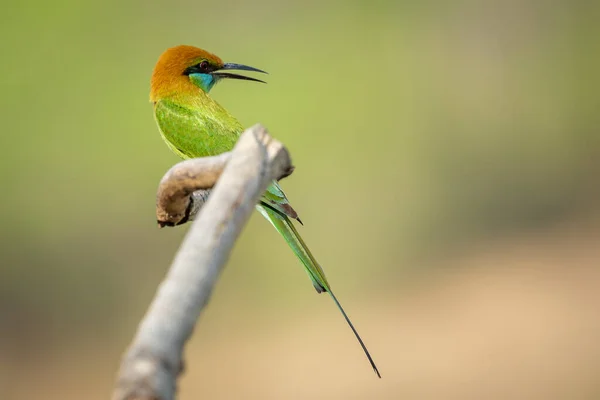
pixel 196 130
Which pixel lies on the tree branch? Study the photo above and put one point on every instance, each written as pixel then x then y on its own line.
pixel 185 188
pixel 150 367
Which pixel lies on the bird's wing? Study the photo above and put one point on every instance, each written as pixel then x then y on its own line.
pixel 275 198
pixel 190 133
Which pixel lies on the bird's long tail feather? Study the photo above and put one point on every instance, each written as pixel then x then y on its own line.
pixel 286 228
pixel 337 303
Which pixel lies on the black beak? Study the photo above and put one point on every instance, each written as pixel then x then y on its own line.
pixel 240 67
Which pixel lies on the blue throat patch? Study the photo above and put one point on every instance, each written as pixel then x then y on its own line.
pixel 203 81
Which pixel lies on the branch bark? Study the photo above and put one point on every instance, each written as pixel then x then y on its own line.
pixel 185 188
pixel 154 360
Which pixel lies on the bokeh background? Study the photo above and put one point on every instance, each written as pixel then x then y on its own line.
pixel 447 160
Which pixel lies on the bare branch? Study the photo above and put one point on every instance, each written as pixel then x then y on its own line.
pixel 184 189
pixel 173 200
pixel 154 360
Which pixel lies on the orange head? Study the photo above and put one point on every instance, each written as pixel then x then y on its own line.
pixel 182 70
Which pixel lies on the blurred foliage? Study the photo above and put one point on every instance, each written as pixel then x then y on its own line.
pixel 415 127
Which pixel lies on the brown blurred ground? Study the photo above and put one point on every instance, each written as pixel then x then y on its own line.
pixel 512 319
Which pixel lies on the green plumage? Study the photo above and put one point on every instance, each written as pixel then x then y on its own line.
pixel 194 125
pixel 190 133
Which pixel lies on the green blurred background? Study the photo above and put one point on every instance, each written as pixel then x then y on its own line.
pixel 447 161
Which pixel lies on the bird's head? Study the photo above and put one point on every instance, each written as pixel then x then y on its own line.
pixel 184 69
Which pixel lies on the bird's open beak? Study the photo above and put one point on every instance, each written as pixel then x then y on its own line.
pixel 236 76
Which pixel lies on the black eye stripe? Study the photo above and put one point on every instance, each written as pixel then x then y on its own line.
pixel 202 67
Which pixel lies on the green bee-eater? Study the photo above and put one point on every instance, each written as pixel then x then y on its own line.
pixel 194 125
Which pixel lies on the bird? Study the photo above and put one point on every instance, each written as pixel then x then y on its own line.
pixel 194 125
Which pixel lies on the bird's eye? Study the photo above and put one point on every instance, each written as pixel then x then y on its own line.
pixel 203 65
